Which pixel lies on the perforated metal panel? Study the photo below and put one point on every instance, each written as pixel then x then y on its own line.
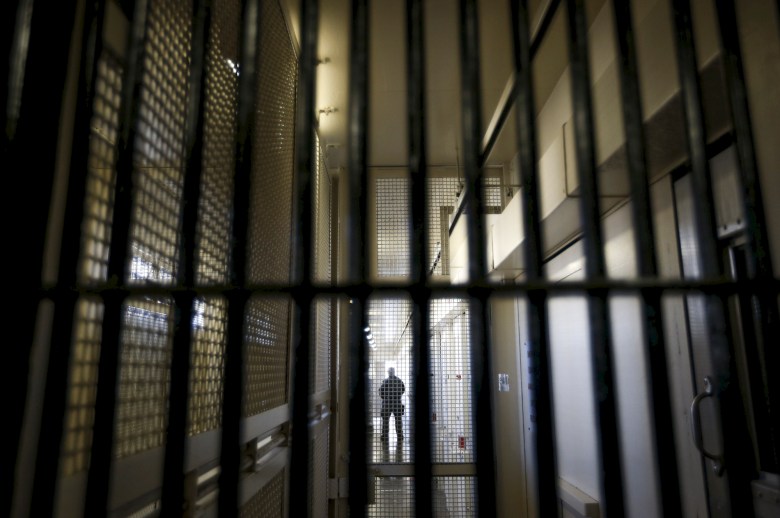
pixel 159 175
pixel 266 353
pixel 101 179
pixel 93 266
pixel 318 477
pixel 272 161
pixel 268 502
pixel 209 336
pixel 267 320
pixel 213 231
pixel 323 306
pixel 213 246
pixel 147 334
pixel 80 412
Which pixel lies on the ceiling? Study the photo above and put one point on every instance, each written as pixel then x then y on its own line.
pixel 387 136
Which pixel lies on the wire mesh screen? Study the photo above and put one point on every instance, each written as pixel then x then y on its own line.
pixel 209 336
pixel 390 397
pixel 83 381
pixel 268 502
pixel 318 476
pixel 266 342
pixel 143 379
pixel 393 228
pixel 391 497
pixel 159 175
pixel 441 199
pixel 454 497
pixel 272 161
pixel 451 381
pixel 101 179
pixel 213 230
pixel 323 306
pixel 93 266
pixel 266 347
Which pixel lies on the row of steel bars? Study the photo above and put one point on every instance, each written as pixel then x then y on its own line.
pixel 28 144
pixel 54 402
pixel 421 296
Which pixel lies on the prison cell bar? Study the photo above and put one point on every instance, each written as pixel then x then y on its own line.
pixel 418 175
pixel 477 264
pixel 536 312
pixel 644 240
pixel 233 391
pixel 178 399
pixel 305 157
pixel 689 84
pixel 356 260
pixel 55 397
pixel 603 367
pixel 759 257
pixel 737 458
pixel 101 454
pixel 536 38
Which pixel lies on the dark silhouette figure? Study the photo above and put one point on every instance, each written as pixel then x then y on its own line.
pixel 390 391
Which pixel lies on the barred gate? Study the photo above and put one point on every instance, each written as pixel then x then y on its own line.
pixel 193 290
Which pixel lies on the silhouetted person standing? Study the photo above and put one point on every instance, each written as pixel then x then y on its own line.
pixel 390 391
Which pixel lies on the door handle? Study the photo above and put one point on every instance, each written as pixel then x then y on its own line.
pixel 717 460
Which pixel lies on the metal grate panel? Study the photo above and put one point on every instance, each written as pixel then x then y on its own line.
pixel 268 502
pixel 216 193
pixel 441 199
pixel 81 388
pixel 393 497
pixel 455 497
pixel 209 336
pixel 213 231
pixel 266 352
pixel 393 229
pixel 101 178
pixel 274 144
pixel 318 476
pixel 390 323
pixel 322 271
pixel 451 388
pixel 147 335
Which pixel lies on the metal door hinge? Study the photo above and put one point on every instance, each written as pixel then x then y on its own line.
pixel 338 488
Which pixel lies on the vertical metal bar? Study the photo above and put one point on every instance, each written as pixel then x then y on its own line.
pixel 233 391
pixel 480 349
pixel 759 257
pixel 736 452
pixel 357 237
pixel 421 352
pixel 55 397
pixel 544 435
pixel 37 69
pixel 603 362
pixel 536 40
pixel 99 476
pixel 696 139
pixel 666 452
pixel 305 158
pixel 178 398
